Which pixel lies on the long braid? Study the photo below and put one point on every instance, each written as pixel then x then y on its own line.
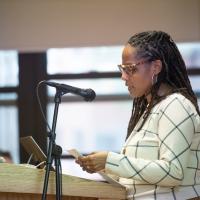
pixel 158 45
pixel 139 106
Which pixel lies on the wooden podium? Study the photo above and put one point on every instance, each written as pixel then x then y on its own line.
pixel 20 182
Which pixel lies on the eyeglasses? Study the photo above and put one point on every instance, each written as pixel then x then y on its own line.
pixel 132 68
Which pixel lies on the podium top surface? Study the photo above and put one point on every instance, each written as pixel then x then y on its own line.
pixel 26 179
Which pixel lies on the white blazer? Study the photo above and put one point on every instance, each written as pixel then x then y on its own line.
pixel 162 160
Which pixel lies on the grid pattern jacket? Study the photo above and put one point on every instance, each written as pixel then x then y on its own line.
pixel 162 160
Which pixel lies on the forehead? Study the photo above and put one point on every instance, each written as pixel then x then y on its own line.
pixel 129 54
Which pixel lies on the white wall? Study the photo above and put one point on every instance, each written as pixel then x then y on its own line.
pixel 30 25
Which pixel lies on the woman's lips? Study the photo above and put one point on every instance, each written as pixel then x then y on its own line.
pixel 130 87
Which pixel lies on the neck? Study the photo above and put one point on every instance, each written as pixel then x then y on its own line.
pixel 163 90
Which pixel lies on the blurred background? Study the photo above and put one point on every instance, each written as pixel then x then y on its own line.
pixel 79 43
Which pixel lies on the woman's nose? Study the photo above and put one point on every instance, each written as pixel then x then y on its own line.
pixel 124 76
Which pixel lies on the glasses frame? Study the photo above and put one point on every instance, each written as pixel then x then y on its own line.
pixel 130 68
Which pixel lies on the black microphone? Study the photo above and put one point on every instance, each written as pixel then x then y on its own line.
pixel 87 94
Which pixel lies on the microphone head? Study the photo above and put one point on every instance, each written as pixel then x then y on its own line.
pixel 90 95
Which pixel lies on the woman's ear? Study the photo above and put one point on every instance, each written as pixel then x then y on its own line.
pixel 157 66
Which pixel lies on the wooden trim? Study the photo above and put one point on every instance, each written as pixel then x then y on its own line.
pixel 193 71
pixel 101 98
pixel 8 89
pixel 24 196
pixel 90 75
pixel 32 69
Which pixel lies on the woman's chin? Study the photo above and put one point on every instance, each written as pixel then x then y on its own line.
pixel 135 95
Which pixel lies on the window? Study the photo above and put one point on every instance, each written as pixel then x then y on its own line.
pixel 191 54
pixel 90 126
pixel 8 107
pixel 101 124
pixel 9 68
pixel 83 59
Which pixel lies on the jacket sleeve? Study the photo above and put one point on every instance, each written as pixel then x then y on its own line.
pixel 175 132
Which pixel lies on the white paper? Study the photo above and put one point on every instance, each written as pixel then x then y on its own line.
pixel 74 153
pixel 105 177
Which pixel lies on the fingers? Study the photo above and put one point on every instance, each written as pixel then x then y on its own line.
pixel 93 162
pixel 94 152
pixel 87 163
pixel 88 169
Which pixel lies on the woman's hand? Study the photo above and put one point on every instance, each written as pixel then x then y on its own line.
pixel 93 162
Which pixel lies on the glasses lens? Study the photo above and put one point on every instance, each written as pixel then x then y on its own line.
pixel 120 68
pixel 127 69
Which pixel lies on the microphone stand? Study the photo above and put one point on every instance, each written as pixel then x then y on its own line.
pixel 54 152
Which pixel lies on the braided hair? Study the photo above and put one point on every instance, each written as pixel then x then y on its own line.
pixel 158 45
